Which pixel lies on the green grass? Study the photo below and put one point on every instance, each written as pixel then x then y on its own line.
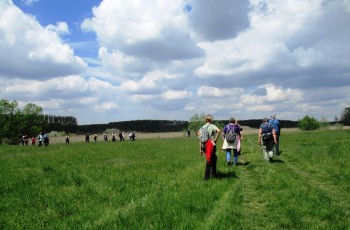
pixel 158 184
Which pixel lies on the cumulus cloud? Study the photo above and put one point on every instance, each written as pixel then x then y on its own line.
pixel 31 51
pixel 288 43
pixel 154 30
pixel 151 83
pixel 218 20
pixel 60 28
pixel 171 59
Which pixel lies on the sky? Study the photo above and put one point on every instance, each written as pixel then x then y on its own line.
pixel 113 60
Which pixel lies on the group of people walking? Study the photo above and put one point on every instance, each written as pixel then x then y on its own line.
pixel 209 133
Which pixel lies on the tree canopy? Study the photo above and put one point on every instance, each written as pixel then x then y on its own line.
pixel 16 122
pixel 345 117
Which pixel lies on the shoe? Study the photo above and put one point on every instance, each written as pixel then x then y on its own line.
pixel 271 160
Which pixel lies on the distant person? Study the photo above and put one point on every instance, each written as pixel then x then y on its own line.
pixel 67 139
pixel 240 135
pixel 208 135
pixel 113 137
pixel 95 137
pixel 275 123
pixel 120 135
pixel 231 135
pixel 33 141
pixel 26 140
pixel 46 139
pixel 105 136
pixel 188 133
pixel 267 139
pixel 132 136
pixel 87 138
pixel 22 140
pixel 40 140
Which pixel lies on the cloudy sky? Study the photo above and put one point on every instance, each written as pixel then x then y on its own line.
pixel 114 60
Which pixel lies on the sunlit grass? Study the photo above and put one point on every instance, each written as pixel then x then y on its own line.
pixel 158 183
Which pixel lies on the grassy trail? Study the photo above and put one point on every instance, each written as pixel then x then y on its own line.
pixel 158 184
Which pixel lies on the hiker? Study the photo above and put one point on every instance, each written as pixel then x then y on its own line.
pixel 46 139
pixel 208 134
pixel 105 136
pixel 276 125
pixel 231 136
pixel 67 139
pixel 33 141
pixel 132 136
pixel 121 138
pixel 267 139
pixel 113 137
pixel 95 137
pixel 87 138
pixel 240 135
pixel 40 140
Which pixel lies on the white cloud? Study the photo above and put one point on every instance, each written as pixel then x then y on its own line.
pixel 176 94
pixel 40 51
pixel 156 30
pixel 60 28
pixel 29 2
pixel 170 59
pixel 209 91
pixel 151 83
pixel 106 106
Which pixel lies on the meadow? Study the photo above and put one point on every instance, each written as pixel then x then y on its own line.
pixel 158 184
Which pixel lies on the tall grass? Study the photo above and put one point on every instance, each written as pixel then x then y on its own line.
pixel 158 184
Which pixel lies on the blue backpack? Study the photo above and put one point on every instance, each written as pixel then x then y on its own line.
pixel 266 132
pixel 275 124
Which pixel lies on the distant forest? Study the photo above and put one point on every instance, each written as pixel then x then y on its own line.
pixel 151 126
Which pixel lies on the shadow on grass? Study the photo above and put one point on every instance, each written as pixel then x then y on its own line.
pixel 243 164
pixel 278 161
pixel 222 175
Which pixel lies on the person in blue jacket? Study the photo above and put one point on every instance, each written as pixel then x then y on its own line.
pixel 275 123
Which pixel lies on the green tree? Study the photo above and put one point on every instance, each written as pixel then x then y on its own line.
pixel 345 117
pixel 16 122
pixel 32 120
pixel 308 123
pixel 10 121
pixel 196 121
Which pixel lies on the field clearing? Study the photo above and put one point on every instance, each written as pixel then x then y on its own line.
pixel 142 136
pixel 158 184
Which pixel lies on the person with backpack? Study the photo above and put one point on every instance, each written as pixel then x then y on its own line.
pixel 40 140
pixel 267 139
pixel 276 125
pixel 208 134
pixel 231 136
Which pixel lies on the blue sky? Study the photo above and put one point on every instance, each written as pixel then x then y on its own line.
pixel 111 60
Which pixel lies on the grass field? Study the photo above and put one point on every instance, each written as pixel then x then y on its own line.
pixel 158 184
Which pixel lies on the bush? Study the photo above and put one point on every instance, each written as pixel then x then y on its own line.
pixel 308 123
pixel 345 117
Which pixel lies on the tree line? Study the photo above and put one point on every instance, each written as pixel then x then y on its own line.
pixel 30 121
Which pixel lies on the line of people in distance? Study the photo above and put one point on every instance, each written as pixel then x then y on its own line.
pixel 209 133
pixel 42 138
pixel 121 135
